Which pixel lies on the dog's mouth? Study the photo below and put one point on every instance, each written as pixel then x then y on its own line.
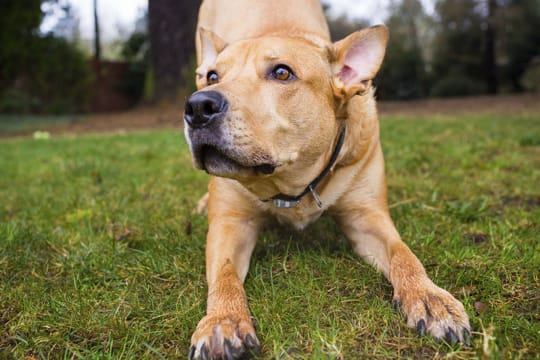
pixel 219 162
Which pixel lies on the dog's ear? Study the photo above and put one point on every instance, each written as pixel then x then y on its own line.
pixel 358 57
pixel 210 45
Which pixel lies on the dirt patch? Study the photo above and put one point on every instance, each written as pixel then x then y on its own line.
pixel 140 118
pixel 170 116
pixel 475 238
pixel 500 104
pixel 528 202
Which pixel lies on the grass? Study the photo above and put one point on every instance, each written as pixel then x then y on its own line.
pixel 101 256
pixel 17 124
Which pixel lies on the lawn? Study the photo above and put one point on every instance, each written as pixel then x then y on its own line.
pixel 17 124
pixel 101 256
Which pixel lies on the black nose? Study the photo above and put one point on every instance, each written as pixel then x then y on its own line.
pixel 204 107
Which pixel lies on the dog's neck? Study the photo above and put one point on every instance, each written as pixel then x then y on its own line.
pixel 289 201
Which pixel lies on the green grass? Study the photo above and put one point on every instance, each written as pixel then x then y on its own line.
pixel 101 256
pixel 17 124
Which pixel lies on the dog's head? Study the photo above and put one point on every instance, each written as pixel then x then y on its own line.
pixel 269 106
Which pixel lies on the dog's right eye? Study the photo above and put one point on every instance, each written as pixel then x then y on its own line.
pixel 212 78
pixel 282 72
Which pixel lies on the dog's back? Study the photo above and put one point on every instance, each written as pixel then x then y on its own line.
pixel 253 18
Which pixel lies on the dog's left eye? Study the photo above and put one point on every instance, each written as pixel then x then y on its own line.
pixel 282 73
pixel 212 78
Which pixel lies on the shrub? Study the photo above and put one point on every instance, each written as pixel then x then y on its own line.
pixel 57 80
pixel 457 85
pixel 531 77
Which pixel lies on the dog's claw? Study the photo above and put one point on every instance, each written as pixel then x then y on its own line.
pixel 223 338
pixel 451 337
pixel 421 327
pixel 228 351
pixel 467 337
pixel 395 304
pixel 252 344
pixel 205 352
pixel 255 323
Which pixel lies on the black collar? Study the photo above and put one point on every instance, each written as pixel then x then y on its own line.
pixel 288 201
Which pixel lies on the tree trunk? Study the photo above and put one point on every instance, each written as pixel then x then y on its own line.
pixel 97 44
pixel 490 54
pixel 172 43
pixel 97 40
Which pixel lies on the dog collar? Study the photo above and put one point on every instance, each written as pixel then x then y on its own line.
pixel 289 201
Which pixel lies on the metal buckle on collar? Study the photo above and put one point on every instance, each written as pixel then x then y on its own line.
pixel 280 203
pixel 285 203
pixel 315 196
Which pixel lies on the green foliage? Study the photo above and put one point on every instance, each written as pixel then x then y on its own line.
pixel 135 51
pixel 19 22
pixel 62 78
pixel 38 73
pixel 11 124
pixel 101 255
pixel 530 80
pixel 462 40
pixel 456 84
pixel 519 22
pixel 458 49
pixel 403 75
pixel 341 26
pixel 58 81
pixel 14 101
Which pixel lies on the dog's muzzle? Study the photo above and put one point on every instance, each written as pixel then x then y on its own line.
pixel 212 145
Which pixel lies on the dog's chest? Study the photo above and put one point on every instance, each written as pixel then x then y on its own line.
pixel 299 216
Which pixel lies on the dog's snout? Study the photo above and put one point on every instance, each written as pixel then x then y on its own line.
pixel 204 107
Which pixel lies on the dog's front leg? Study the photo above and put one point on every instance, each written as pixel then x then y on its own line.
pixel 227 330
pixel 428 307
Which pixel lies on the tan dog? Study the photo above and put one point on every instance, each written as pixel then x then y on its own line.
pixel 287 123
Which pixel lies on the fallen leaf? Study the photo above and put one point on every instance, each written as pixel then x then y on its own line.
pixel 123 235
pixel 479 307
pixel 187 227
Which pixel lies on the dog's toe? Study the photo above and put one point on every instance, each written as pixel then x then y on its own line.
pixel 224 337
pixel 421 328
pixel 434 311
pixel 451 337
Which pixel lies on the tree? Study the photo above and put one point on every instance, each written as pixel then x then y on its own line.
pixel 19 23
pixel 135 51
pixel 458 65
pixel 172 43
pixel 38 73
pixel 97 39
pixel 490 55
pixel 518 23
pixel 404 75
pixel 342 26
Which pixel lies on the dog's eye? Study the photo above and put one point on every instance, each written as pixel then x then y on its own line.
pixel 282 73
pixel 212 78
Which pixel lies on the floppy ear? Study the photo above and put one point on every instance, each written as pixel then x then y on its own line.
pixel 358 58
pixel 209 45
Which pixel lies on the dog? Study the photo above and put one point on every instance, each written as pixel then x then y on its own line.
pixel 286 123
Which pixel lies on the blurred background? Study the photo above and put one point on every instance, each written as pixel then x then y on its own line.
pixel 63 60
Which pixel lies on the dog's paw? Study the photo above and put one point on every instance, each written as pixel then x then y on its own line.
pixel 435 311
pixel 224 337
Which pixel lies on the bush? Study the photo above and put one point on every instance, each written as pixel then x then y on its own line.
pixel 56 81
pixel 531 77
pixel 14 101
pixel 457 85
pixel 135 51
